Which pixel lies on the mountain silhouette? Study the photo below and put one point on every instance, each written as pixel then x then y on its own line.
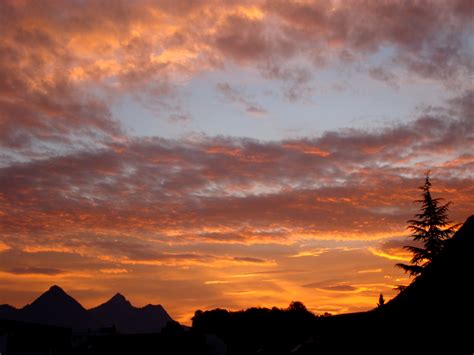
pixel 127 319
pixel 7 311
pixel 56 307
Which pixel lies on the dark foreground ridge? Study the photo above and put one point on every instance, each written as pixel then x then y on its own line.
pixel 433 315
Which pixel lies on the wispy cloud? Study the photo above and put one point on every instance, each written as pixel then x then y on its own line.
pixel 235 96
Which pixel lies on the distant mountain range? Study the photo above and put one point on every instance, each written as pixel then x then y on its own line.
pixel 56 307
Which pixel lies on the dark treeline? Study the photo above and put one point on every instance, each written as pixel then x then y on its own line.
pixel 272 330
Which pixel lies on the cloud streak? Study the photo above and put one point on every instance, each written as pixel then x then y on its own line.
pixel 233 95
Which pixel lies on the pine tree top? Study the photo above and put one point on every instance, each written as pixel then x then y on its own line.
pixel 431 226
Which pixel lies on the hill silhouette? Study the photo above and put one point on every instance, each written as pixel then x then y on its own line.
pixel 447 278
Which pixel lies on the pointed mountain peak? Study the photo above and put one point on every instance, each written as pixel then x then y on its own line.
pixel 56 307
pixel 55 289
pixel 117 301
pixel 153 306
pixel 127 319
pixel 56 294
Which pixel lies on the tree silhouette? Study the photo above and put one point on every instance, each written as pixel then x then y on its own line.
pixel 297 306
pixel 381 300
pixel 431 227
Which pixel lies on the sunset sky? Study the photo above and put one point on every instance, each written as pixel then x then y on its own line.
pixel 203 154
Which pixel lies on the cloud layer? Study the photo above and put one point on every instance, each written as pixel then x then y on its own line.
pixel 62 64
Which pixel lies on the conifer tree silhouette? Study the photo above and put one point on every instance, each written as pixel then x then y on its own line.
pixel 381 300
pixel 432 227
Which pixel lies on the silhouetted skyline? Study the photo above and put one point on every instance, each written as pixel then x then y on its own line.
pixel 57 324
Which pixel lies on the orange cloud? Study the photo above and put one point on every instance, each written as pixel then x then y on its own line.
pixel 398 255
pixel 307 149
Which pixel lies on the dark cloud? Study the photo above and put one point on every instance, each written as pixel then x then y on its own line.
pixel 180 118
pixel 248 259
pixel 233 95
pixel 243 39
pixel 327 286
pixel 340 288
pixel 383 74
pixel 428 38
pixel 21 270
